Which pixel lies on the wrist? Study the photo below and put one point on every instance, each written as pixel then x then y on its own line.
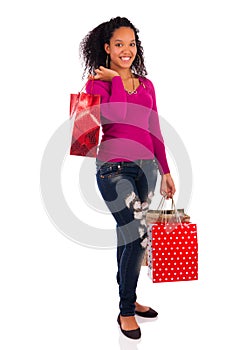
pixel 115 75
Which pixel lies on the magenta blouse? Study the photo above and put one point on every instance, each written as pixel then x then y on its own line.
pixel 130 123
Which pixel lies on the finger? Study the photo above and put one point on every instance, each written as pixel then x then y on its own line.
pixel 96 77
pixel 173 190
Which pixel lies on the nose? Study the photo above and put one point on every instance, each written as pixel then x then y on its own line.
pixel 126 48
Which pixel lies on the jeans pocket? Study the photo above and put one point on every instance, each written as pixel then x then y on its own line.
pixel 109 171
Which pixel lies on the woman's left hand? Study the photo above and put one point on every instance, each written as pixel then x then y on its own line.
pixel 167 187
pixel 105 74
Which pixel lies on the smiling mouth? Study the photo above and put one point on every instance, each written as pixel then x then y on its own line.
pixel 125 58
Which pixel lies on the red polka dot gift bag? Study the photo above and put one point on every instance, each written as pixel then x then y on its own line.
pixel 172 249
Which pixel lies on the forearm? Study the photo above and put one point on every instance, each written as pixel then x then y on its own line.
pixel 113 97
pixel 158 144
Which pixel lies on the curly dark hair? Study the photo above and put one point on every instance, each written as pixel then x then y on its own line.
pixel 92 46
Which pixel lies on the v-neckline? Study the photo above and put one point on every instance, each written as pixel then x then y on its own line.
pixel 141 84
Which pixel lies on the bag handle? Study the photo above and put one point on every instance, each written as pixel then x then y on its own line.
pixel 173 207
pixel 176 212
pixel 92 79
pixel 161 203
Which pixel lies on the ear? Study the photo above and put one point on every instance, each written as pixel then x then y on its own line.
pixel 107 48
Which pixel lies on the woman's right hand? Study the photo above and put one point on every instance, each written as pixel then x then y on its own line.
pixel 167 187
pixel 105 74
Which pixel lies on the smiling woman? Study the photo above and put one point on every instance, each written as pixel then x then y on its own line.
pixel 130 153
pixel 123 53
pixel 93 46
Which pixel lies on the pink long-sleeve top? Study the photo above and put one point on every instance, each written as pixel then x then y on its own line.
pixel 130 123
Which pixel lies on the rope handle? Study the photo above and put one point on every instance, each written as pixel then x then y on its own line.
pixel 176 212
pixel 92 79
pixel 173 207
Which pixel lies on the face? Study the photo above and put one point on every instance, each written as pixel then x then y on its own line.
pixel 122 48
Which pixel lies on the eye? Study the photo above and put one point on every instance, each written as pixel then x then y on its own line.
pixel 132 44
pixel 118 45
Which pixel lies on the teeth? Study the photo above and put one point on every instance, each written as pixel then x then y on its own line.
pixel 125 58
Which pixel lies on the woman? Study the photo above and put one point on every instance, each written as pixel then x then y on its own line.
pixel 130 153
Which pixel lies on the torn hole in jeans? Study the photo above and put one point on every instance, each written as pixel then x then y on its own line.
pixel 144 242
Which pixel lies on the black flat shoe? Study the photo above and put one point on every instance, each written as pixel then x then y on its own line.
pixel 148 314
pixel 133 334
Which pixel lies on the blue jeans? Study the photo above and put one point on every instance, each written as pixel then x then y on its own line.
pixel 127 189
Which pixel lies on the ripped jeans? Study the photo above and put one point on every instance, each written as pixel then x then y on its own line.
pixel 127 189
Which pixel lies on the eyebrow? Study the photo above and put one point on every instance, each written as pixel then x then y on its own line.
pixel 122 40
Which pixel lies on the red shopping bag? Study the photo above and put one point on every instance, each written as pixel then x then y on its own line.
pixel 172 252
pixel 85 109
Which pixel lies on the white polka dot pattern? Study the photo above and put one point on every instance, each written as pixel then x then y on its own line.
pixel 173 252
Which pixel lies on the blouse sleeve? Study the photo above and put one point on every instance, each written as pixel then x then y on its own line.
pixel 158 141
pixel 113 97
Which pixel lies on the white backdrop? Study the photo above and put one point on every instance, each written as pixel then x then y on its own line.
pixel 56 293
